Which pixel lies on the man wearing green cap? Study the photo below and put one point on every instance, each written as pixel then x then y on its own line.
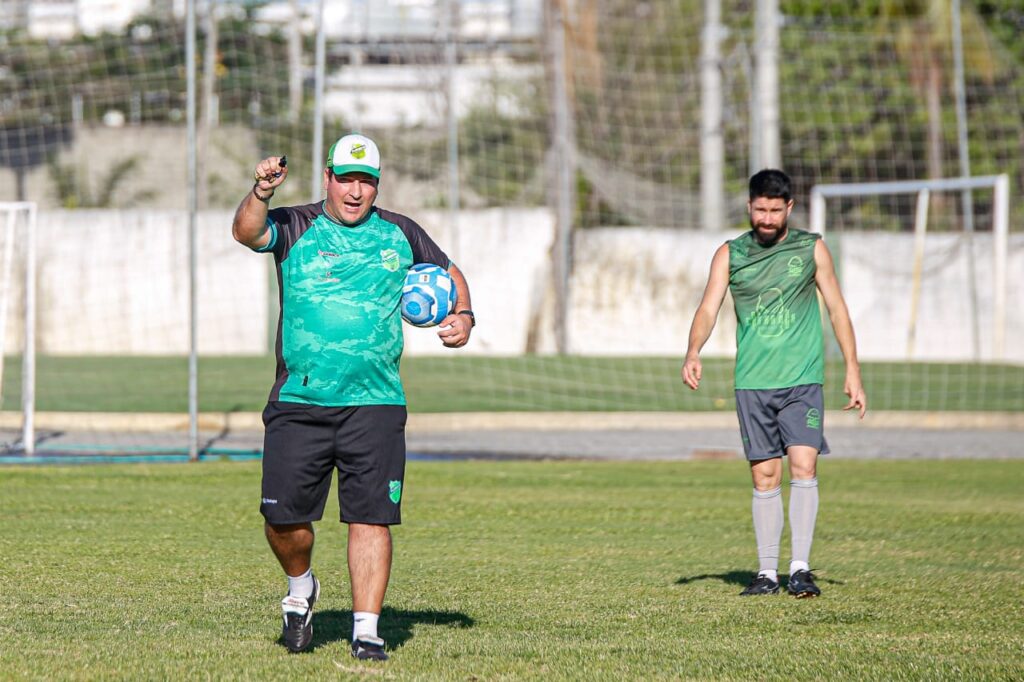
pixel 338 400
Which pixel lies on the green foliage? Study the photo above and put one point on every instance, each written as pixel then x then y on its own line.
pixel 853 87
pixel 141 68
pixel 592 210
pixel 625 570
pixel 502 140
pixel 831 8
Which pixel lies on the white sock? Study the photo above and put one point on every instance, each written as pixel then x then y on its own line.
pixel 301 586
pixel 795 566
pixel 803 512
pixel 768 522
pixel 771 575
pixel 364 624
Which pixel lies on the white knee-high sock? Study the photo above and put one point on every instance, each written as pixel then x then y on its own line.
pixel 768 521
pixel 803 512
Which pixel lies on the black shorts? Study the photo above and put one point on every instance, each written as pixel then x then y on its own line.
pixel 773 419
pixel 303 444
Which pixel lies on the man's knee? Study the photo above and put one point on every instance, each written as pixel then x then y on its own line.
pixel 766 474
pixel 284 529
pixel 368 532
pixel 803 463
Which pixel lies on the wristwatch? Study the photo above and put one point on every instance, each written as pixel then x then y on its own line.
pixel 472 317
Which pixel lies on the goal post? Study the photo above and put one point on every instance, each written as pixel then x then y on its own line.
pixel 19 238
pixel 1000 186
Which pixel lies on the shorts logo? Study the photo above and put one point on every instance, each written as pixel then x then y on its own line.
pixel 389 259
pixel 813 419
pixel 267 500
pixel 395 491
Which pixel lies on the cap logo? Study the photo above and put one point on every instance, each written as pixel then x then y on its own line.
pixel 358 150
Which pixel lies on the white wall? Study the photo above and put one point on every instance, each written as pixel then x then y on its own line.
pixel 117 282
pixel 505 257
pixel 113 282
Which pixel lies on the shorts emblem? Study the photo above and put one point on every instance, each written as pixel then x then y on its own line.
pixel 395 491
pixel 813 419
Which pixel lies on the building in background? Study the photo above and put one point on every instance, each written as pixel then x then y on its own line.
pixel 375 20
pixel 384 54
pixel 61 19
pixel 360 19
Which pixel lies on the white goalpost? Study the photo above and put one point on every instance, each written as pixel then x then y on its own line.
pixel 1000 186
pixel 20 215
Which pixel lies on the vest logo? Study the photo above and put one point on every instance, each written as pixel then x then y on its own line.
pixel 358 150
pixel 795 266
pixel 389 259
pixel 771 317
pixel 813 419
pixel 395 491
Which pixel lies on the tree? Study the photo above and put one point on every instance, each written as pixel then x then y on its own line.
pixel 923 40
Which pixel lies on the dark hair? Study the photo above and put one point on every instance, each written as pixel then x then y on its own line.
pixel 771 184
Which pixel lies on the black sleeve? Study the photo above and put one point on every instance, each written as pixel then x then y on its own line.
pixel 289 223
pixel 424 250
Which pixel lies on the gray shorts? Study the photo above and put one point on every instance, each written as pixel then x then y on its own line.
pixel 773 419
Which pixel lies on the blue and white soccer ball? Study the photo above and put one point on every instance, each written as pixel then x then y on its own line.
pixel 428 295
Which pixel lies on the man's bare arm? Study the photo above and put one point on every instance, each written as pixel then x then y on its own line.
pixel 459 327
pixel 839 315
pixel 706 316
pixel 250 223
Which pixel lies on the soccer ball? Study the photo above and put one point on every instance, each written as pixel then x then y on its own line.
pixel 428 295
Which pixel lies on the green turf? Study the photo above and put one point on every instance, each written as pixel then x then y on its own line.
pixel 460 383
pixel 520 570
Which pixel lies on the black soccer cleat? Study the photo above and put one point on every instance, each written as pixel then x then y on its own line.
pixel 298 619
pixel 761 584
pixel 367 648
pixel 801 585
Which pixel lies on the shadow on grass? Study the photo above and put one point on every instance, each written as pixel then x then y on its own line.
pixel 744 577
pixel 732 578
pixel 396 625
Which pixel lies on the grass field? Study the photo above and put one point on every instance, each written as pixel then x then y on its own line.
pixel 460 383
pixel 520 570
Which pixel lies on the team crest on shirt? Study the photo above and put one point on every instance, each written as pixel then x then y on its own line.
pixel 389 259
pixel 795 266
pixel 395 491
pixel 771 316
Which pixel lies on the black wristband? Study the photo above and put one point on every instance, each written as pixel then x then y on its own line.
pixel 256 194
pixel 472 317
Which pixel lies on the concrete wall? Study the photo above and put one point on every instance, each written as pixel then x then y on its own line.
pixel 635 291
pixel 117 282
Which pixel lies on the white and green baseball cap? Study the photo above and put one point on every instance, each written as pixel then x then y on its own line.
pixel 354 153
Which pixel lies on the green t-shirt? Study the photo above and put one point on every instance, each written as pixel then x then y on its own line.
pixel 779 340
pixel 339 336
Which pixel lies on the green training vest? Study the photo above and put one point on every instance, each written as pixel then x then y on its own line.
pixel 779 340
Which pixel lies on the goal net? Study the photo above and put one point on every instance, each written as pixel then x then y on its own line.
pixel 552 149
pixel 927 297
